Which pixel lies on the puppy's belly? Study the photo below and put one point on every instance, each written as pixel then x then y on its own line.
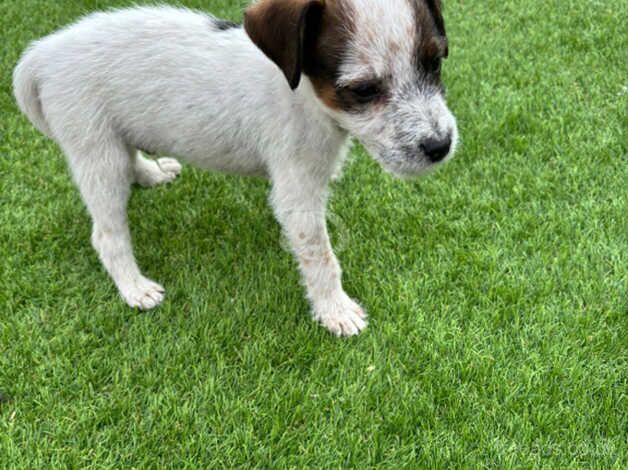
pixel 243 161
pixel 227 162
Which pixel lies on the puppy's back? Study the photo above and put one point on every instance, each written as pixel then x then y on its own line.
pixel 170 80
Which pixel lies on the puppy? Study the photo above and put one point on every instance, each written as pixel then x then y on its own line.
pixel 278 97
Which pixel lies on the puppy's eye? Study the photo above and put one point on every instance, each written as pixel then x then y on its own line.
pixel 366 92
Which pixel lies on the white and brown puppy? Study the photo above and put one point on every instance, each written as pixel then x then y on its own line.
pixel 279 97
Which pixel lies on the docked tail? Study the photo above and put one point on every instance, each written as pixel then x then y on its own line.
pixel 26 90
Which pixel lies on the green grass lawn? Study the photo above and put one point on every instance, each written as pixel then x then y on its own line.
pixel 496 287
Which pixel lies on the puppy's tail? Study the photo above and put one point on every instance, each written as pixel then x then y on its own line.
pixel 26 90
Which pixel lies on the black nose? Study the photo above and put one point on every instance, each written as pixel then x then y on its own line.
pixel 436 149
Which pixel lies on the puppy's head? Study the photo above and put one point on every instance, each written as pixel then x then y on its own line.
pixel 374 65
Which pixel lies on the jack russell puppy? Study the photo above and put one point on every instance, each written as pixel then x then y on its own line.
pixel 279 96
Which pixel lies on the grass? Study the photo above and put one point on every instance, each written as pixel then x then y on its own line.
pixel 496 287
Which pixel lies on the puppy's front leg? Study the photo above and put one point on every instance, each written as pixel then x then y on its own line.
pixel 299 205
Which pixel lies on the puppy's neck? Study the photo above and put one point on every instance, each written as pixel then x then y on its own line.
pixel 318 111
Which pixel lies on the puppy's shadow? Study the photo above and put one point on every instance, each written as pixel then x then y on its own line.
pixel 209 228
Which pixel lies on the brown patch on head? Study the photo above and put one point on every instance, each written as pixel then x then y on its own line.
pixel 327 50
pixel 306 36
pixel 430 22
pixel 283 30
pixel 432 43
pixel 433 47
pixel 436 9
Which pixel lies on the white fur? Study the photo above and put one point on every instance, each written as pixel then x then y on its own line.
pixel 167 81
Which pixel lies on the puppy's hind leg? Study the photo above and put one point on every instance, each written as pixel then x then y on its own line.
pixel 104 173
pixel 149 173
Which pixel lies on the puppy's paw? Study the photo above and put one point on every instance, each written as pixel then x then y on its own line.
pixel 143 294
pixel 169 167
pixel 341 316
pixel 149 173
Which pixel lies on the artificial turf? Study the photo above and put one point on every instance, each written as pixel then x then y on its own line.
pixel 496 287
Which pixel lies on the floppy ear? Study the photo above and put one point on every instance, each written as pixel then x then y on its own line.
pixel 281 29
